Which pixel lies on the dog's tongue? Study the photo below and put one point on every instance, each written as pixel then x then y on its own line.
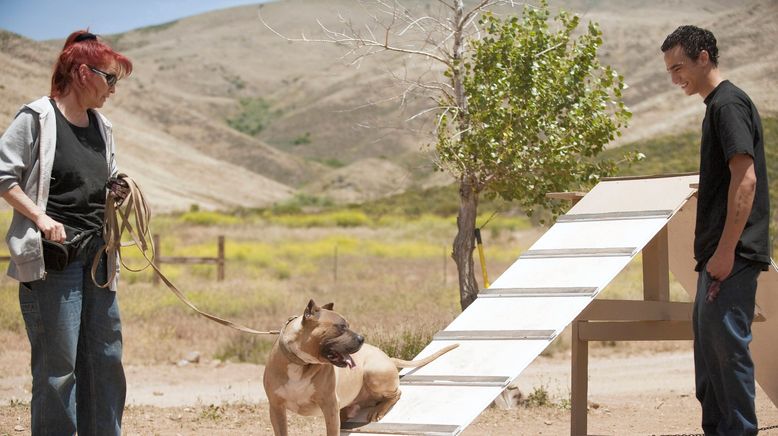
pixel 349 361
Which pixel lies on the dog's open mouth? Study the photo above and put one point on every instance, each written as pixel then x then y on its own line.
pixel 341 360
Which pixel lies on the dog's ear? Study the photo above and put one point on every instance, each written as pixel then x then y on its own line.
pixel 328 306
pixel 311 310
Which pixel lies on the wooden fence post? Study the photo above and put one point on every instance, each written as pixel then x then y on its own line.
pixel 445 259
pixel 220 260
pixel 335 265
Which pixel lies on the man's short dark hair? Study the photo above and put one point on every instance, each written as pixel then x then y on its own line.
pixel 693 40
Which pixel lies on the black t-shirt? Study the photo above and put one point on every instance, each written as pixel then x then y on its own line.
pixel 731 126
pixel 77 193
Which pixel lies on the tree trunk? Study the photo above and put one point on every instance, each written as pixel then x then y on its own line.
pixel 464 243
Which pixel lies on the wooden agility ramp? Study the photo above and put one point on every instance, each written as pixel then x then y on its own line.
pixel 554 284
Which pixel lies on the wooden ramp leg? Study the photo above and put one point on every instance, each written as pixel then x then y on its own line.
pixel 579 382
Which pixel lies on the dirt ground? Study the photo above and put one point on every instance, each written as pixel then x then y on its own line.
pixel 631 392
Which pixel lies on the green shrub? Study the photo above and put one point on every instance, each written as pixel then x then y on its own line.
pixel 302 139
pixel 341 218
pixel 212 413
pixel 539 397
pixel 332 162
pixel 254 115
pixel 208 218
pixel 405 346
pixel 299 203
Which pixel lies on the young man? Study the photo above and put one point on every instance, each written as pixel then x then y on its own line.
pixel 731 241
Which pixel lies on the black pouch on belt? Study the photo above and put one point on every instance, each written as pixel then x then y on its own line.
pixel 58 255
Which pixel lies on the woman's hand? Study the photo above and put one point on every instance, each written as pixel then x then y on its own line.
pixel 119 189
pixel 51 230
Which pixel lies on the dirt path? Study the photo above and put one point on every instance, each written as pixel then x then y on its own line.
pixel 646 393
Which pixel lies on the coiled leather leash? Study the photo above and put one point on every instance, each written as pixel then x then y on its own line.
pixel 133 216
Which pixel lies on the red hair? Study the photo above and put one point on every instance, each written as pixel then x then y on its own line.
pixel 83 47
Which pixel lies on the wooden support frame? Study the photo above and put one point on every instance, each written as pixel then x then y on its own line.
pixel 653 318
pixel 656 268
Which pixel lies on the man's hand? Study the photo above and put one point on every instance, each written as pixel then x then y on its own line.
pixel 719 267
pixel 720 264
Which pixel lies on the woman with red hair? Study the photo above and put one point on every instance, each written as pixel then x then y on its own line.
pixel 56 159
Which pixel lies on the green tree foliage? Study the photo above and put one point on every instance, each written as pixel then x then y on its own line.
pixel 531 110
pixel 539 108
pixel 524 109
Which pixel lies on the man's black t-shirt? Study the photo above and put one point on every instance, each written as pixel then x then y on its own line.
pixel 77 193
pixel 731 126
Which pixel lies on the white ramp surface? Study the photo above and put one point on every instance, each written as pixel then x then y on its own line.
pixel 514 320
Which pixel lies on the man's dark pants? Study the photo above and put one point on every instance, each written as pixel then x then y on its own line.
pixel 722 361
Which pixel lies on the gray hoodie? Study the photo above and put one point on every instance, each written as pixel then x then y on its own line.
pixel 26 159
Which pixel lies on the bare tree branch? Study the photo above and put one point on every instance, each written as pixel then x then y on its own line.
pixel 334 37
pixel 442 39
pixel 479 8
pixel 432 109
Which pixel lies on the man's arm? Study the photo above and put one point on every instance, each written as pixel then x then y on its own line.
pixel 740 199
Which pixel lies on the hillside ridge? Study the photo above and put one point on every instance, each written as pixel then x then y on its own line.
pixel 324 129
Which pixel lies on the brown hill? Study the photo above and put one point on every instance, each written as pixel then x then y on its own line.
pixel 173 173
pixel 634 32
pixel 339 130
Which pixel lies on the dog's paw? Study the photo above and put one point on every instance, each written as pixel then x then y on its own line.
pixel 375 415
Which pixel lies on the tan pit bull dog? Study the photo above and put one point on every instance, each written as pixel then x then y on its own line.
pixel 318 365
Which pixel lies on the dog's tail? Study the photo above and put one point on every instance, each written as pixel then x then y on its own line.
pixel 421 362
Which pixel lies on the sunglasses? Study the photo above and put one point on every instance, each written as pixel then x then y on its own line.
pixel 110 79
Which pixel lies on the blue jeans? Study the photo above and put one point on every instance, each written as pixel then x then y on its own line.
pixel 723 367
pixel 75 337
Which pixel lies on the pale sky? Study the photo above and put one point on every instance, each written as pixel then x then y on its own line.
pixel 56 19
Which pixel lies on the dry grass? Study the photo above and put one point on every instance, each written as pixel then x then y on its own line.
pixel 387 279
pixel 395 283
pixel 389 285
